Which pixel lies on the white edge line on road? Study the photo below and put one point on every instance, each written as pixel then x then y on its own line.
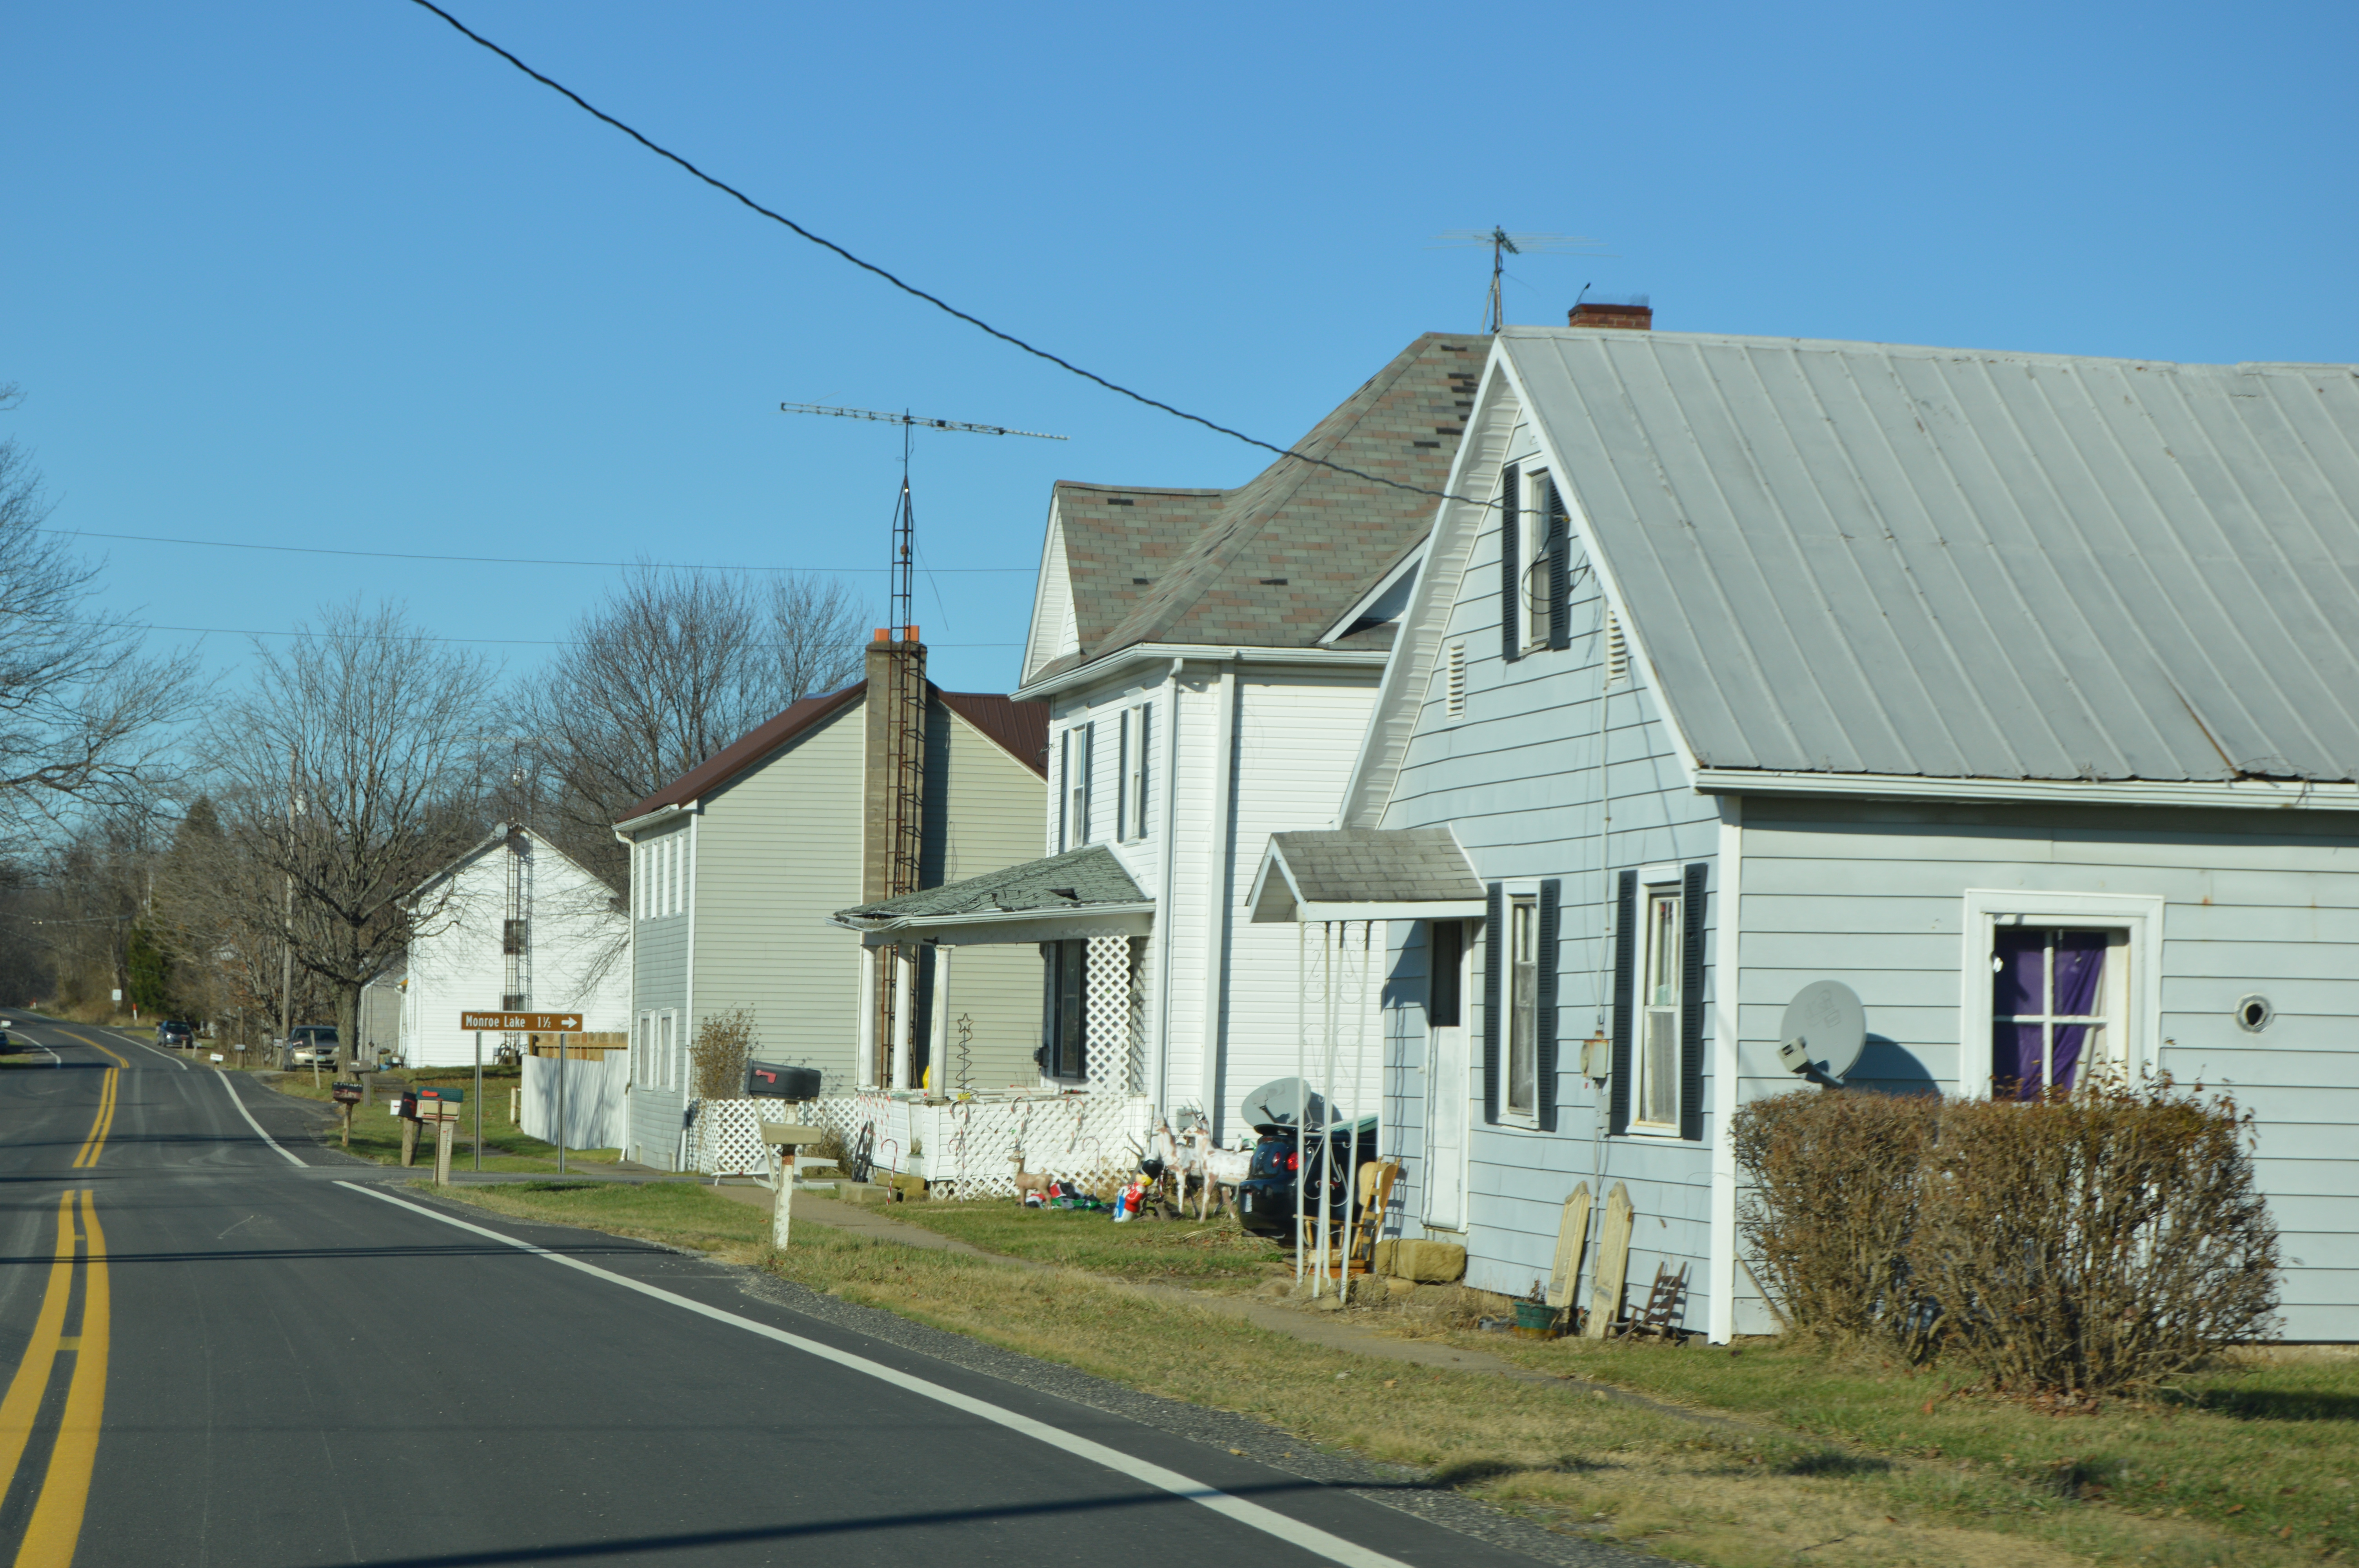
pixel 231 1090
pixel 132 1040
pixel 1333 1548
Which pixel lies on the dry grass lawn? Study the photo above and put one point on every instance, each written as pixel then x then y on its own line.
pixel 1831 1461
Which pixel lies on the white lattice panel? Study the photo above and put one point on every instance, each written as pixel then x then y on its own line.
pixel 728 1136
pixel 965 1149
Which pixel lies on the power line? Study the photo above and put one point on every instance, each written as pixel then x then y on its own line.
pixel 490 560
pixel 412 636
pixel 913 290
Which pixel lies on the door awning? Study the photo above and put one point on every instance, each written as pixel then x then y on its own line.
pixel 1366 874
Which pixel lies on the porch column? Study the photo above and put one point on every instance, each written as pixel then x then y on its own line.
pixel 938 1037
pixel 864 1065
pixel 905 1003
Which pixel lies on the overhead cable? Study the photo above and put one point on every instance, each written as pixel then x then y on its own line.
pixel 493 560
pixel 915 292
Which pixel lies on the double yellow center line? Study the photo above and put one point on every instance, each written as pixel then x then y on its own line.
pixel 103 1123
pixel 56 1524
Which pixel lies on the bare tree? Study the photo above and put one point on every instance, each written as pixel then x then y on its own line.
pixel 84 720
pixel 669 669
pixel 351 772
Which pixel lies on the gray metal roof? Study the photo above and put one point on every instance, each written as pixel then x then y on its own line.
pixel 1856 557
pixel 1075 880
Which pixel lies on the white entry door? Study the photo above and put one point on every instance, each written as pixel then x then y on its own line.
pixel 1447 1079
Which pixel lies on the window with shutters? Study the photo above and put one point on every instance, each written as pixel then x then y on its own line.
pixel 1523 1098
pixel 1076 816
pixel 1537 611
pixel 1454 682
pixel 1655 1105
pixel 1131 808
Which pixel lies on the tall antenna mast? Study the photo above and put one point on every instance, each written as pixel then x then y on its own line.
pixel 905 521
pixel 1505 244
pixel 893 840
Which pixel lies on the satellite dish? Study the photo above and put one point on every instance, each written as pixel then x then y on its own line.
pixel 1824 1028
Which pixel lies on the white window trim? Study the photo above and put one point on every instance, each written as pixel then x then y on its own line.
pixel 1673 875
pixel 1531 546
pixel 2137 915
pixel 1509 891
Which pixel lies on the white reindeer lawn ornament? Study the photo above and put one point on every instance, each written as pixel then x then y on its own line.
pixel 1216 1172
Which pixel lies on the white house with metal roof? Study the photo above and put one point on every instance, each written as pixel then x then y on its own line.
pixel 2018 692
pixel 1209 659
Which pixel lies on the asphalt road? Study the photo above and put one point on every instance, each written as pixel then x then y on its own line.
pixel 244 1351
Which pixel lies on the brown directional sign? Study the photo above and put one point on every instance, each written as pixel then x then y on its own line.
pixel 529 1023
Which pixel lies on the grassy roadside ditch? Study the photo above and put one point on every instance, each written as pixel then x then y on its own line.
pixel 376 1132
pixel 1842 1462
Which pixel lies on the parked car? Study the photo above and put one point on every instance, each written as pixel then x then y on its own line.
pixel 310 1044
pixel 1266 1200
pixel 172 1035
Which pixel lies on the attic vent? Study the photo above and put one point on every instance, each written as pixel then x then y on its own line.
pixel 1120 500
pixel 1425 443
pixel 1617 652
pixel 1140 581
pixel 1455 701
pixel 1273 582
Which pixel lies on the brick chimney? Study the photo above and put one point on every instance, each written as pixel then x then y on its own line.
pixel 894 771
pixel 1597 313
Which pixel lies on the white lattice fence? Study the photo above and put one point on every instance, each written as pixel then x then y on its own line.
pixel 966 1149
pixel 727 1137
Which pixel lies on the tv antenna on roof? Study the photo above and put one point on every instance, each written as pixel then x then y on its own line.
pixel 1505 244
pixel 905 520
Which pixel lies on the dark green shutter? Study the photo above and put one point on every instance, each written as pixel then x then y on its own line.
pixel 1551 897
pixel 1511 646
pixel 1626 979
pixel 1560 571
pixel 1691 1005
pixel 1495 949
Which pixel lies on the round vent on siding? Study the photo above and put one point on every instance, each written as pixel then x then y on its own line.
pixel 2253 1013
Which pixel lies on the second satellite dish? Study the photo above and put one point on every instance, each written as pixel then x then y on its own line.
pixel 1824 1028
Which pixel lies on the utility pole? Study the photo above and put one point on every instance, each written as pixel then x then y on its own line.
pixel 286 945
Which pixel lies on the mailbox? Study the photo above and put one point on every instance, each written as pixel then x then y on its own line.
pixel 347 1093
pixel 438 1104
pixel 406 1107
pixel 770 1080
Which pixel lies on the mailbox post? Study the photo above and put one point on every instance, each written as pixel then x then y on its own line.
pixel 347 1096
pixel 785 1138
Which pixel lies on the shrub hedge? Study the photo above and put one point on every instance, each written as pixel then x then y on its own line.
pixel 2098 1240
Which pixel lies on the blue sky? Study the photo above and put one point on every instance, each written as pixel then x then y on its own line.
pixel 332 275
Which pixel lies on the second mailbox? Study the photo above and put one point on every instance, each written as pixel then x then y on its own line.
pixel 769 1080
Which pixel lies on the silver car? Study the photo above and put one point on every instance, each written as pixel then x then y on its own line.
pixel 310 1045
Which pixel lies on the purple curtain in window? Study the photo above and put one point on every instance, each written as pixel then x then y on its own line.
pixel 2019 987
pixel 2080 964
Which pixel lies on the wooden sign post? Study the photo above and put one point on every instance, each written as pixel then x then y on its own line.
pixel 558 1023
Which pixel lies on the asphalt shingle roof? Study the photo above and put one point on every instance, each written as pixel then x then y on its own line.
pixel 1274 562
pixel 1075 880
pixel 1374 865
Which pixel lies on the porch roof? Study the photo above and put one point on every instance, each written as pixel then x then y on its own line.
pixel 1083 893
pixel 1366 874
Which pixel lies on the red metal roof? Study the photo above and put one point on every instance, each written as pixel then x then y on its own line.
pixel 1021 728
